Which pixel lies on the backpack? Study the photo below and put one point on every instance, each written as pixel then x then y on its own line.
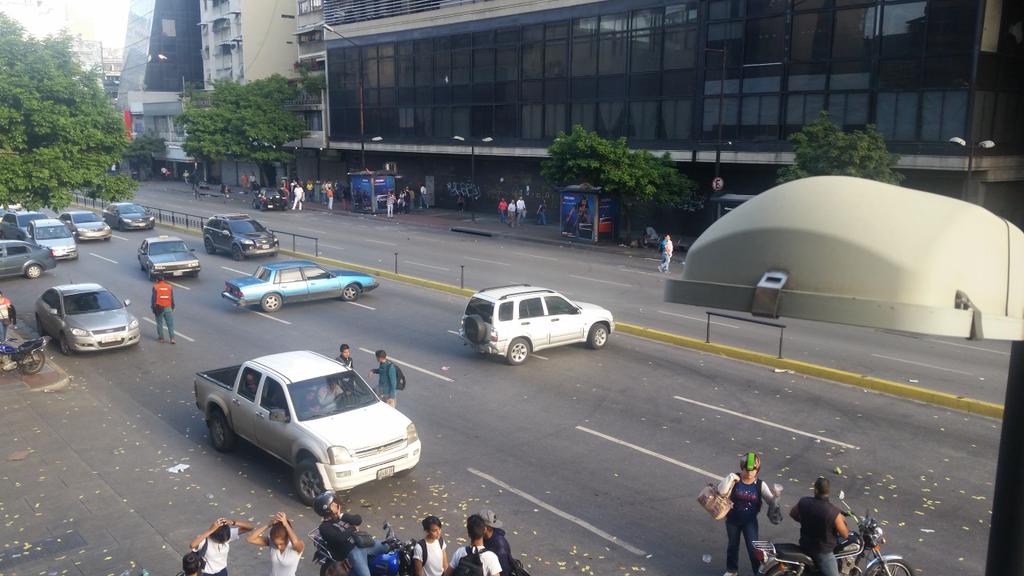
pixel 423 547
pixel 399 378
pixel 470 564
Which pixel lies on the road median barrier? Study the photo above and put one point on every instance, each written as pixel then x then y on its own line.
pixel 891 387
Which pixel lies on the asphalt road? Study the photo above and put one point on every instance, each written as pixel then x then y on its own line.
pixel 593 459
pixel 630 286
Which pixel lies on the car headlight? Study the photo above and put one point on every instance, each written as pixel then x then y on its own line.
pixel 339 455
pixel 193 264
pixel 152 218
pixel 411 435
pixel 133 324
pixel 79 332
pixel 248 242
pixel 105 227
pixel 159 266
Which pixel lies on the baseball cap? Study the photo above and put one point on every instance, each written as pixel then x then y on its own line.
pixel 490 518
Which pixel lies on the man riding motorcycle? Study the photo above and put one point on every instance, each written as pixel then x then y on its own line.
pixel 338 531
pixel 820 524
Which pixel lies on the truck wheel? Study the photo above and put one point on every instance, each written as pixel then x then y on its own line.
pixel 351 292
pixel 270 302
pixel 210 248
pixel 221 435
pixel 308 483
pixel 598 336
pixel 475 330
pixel 518 351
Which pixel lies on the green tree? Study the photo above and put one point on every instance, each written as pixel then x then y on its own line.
pixel 142 150
pixel 635 177
pixel 244 121
pixel 822 148
pixel 58 130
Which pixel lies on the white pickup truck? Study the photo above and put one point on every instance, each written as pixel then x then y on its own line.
pixel 312 413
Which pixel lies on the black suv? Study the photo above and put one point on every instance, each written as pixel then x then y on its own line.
pixel 238 234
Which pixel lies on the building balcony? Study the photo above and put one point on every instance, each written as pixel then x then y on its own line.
pixel 310 49
pixel 349 11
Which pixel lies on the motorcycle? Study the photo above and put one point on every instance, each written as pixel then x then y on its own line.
pixel 28 357
pixel 863 545
pixel 396 562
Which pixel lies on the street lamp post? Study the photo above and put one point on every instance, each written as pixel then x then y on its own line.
pixel 984 144
pixel 721 106
pixel 359 86
pixel 472 168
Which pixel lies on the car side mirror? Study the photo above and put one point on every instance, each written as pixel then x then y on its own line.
pixel 52 311
pixel 225 233
pixel 127 302
pixel 278 415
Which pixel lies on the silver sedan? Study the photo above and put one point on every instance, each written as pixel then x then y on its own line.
pixel 85 225
pixel 86 318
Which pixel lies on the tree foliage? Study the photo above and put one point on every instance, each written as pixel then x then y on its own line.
pixel 243 121
pixel 822 148
pixel 58 130
pixel 635 177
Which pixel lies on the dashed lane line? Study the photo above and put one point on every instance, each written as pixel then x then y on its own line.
pixel 539 257
pixel 969 347
pixel 560 513
pixel 767 423
pixel 178 285
pixel 118 237
pixel 176 333
pixel 379 242
pixel 487 261
pixel 269 317
pixel 932 366
pixel 414 367
pixel 588 279
pixel 643 450
pixel 103 258
pixel 697 319
pixel 362 305
pixel 235 271
pixel 432 267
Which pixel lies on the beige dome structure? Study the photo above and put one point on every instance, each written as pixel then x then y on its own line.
pixel 853 251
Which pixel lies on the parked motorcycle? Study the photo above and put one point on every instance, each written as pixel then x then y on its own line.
pixel 28 357
pixel 860 548
pixel 396 562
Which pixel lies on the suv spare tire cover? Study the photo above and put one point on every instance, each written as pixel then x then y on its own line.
pixel 476 331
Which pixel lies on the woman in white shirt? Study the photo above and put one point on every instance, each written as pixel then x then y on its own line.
pixel 285 546
pixel 430 556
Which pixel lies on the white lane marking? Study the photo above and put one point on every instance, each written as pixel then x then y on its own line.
pixel 541 257
pixel 311 230
pixel 416 368
pixel 379 242
pixel 697 319
pixel 453 332
pixel 269 317
pixel 922 364
pixel 532 355
pixel 411 263
pixel 103 257
pixel 178 285
pixel 978 348
pixel 487 261
pixel 652 259
pixel 767 423
pixel 362 305
pixel 643 450
pixel 601 281
pixel 176 332
pixel 325 245
pixel 235 271
pixel 635 271
pixel 118 237
pixel 557 512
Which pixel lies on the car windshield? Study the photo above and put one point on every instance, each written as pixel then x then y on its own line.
pixel 87 302
pixel 24 219
pixel 480 307
pixel 246 226
pixel 133 210
pixel 170 247
pixel 83 218
pixel 51 232
pixel 330 395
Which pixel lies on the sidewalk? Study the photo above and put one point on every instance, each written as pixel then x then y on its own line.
pixel 50 379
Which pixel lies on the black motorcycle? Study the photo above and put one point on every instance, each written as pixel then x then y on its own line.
pixel 28 357
pixel 864 545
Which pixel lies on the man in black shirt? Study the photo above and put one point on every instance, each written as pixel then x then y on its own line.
pixel 820 523
pixel 338 532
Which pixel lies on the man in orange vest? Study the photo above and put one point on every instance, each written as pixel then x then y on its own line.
pixel 162 302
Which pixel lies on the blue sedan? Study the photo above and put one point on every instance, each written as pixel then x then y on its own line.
pixel 295 281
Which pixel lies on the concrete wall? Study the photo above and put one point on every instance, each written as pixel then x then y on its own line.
pixel 268 38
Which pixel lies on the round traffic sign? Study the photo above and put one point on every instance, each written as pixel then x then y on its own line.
pixel 718 184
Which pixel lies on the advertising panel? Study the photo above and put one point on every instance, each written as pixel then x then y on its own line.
pixel 576 215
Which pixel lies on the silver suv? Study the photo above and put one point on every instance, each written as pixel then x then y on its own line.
pixel 515 320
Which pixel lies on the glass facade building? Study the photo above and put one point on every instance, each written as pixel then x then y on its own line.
pixel 162 46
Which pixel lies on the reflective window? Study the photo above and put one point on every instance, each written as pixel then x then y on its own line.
pixel 943 115
pixel 483 65
pixel 729 114
pixel 584 26
pixel 680 48
pixel 951 26
pixel 899 74
pixel 722 9
pixel 505 311
pixel 506 64
pixel 613 23
pixel 460 121
pixel 612 54
pixel 854 33
pixel 810 37
pixel 727 36
pixel 807 76
pixel 759 117
pixel 645 53
pixel 949 72
pixel 849 110
pixel 272 397
pixel 765 40
pixel 533 60
pixel 482 122
pixel 554 119
pixel 611 119
pixel 289 275
pixel 802 109
pixel 850 75
pixel 896 115
pixel 584 56
pixel 650 18
pixel 903 28
pixel 810 4
pixel 643 120
pixel 762 7
pixel 506 121
pixel 558 306
pixel 556 59
pixel 530 308
pixel 676 119
pixel 762 79
pixel 583 114
pixel 533 121
pixel 681 13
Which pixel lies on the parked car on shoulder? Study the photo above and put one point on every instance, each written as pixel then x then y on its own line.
pixel 85 225
pixel 128 216
pixel 513 321
pixel 86 318
pixel 51 233
pixel 168 255
pixel 269 199
pixel 20 258
pixel 273 285
pixel 312 413
pixel 239 235
pixel 14 225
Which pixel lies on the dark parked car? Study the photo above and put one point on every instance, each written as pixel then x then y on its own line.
pixel 14 225
pixel 19 258
pixel 269 199
pixel 128 216
pixel 239 235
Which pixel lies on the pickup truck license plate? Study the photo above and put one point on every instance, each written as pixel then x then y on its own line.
pixel 385 472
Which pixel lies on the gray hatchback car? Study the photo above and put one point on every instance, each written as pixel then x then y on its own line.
pixel 19 258
pixel 86 318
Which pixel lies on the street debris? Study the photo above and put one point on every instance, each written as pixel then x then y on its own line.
pixel 19 455
pixel 178 468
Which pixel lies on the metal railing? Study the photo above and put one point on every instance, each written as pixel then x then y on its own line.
pixel 781 327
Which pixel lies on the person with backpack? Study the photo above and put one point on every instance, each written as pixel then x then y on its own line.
pixel 387 378
pixel 430 555
pixel 495 541
pixel 213 545
pixel 747 492
pixel 475 559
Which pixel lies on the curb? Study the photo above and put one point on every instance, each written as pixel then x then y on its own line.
pixel 51 366
pixel 890 387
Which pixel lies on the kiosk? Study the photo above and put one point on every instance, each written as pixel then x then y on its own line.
pixel 370 190
pixel 585 214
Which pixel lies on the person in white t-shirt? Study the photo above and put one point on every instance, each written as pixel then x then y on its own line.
pixel 432 548
pixel 285 547
pixel 213 544
pixel 488 560
pixel 300 196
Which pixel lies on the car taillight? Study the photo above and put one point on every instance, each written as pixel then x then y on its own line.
pixel 759 554
pixel 494 335
pixel 51 251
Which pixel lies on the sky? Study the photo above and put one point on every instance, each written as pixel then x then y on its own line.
pixel 102 20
